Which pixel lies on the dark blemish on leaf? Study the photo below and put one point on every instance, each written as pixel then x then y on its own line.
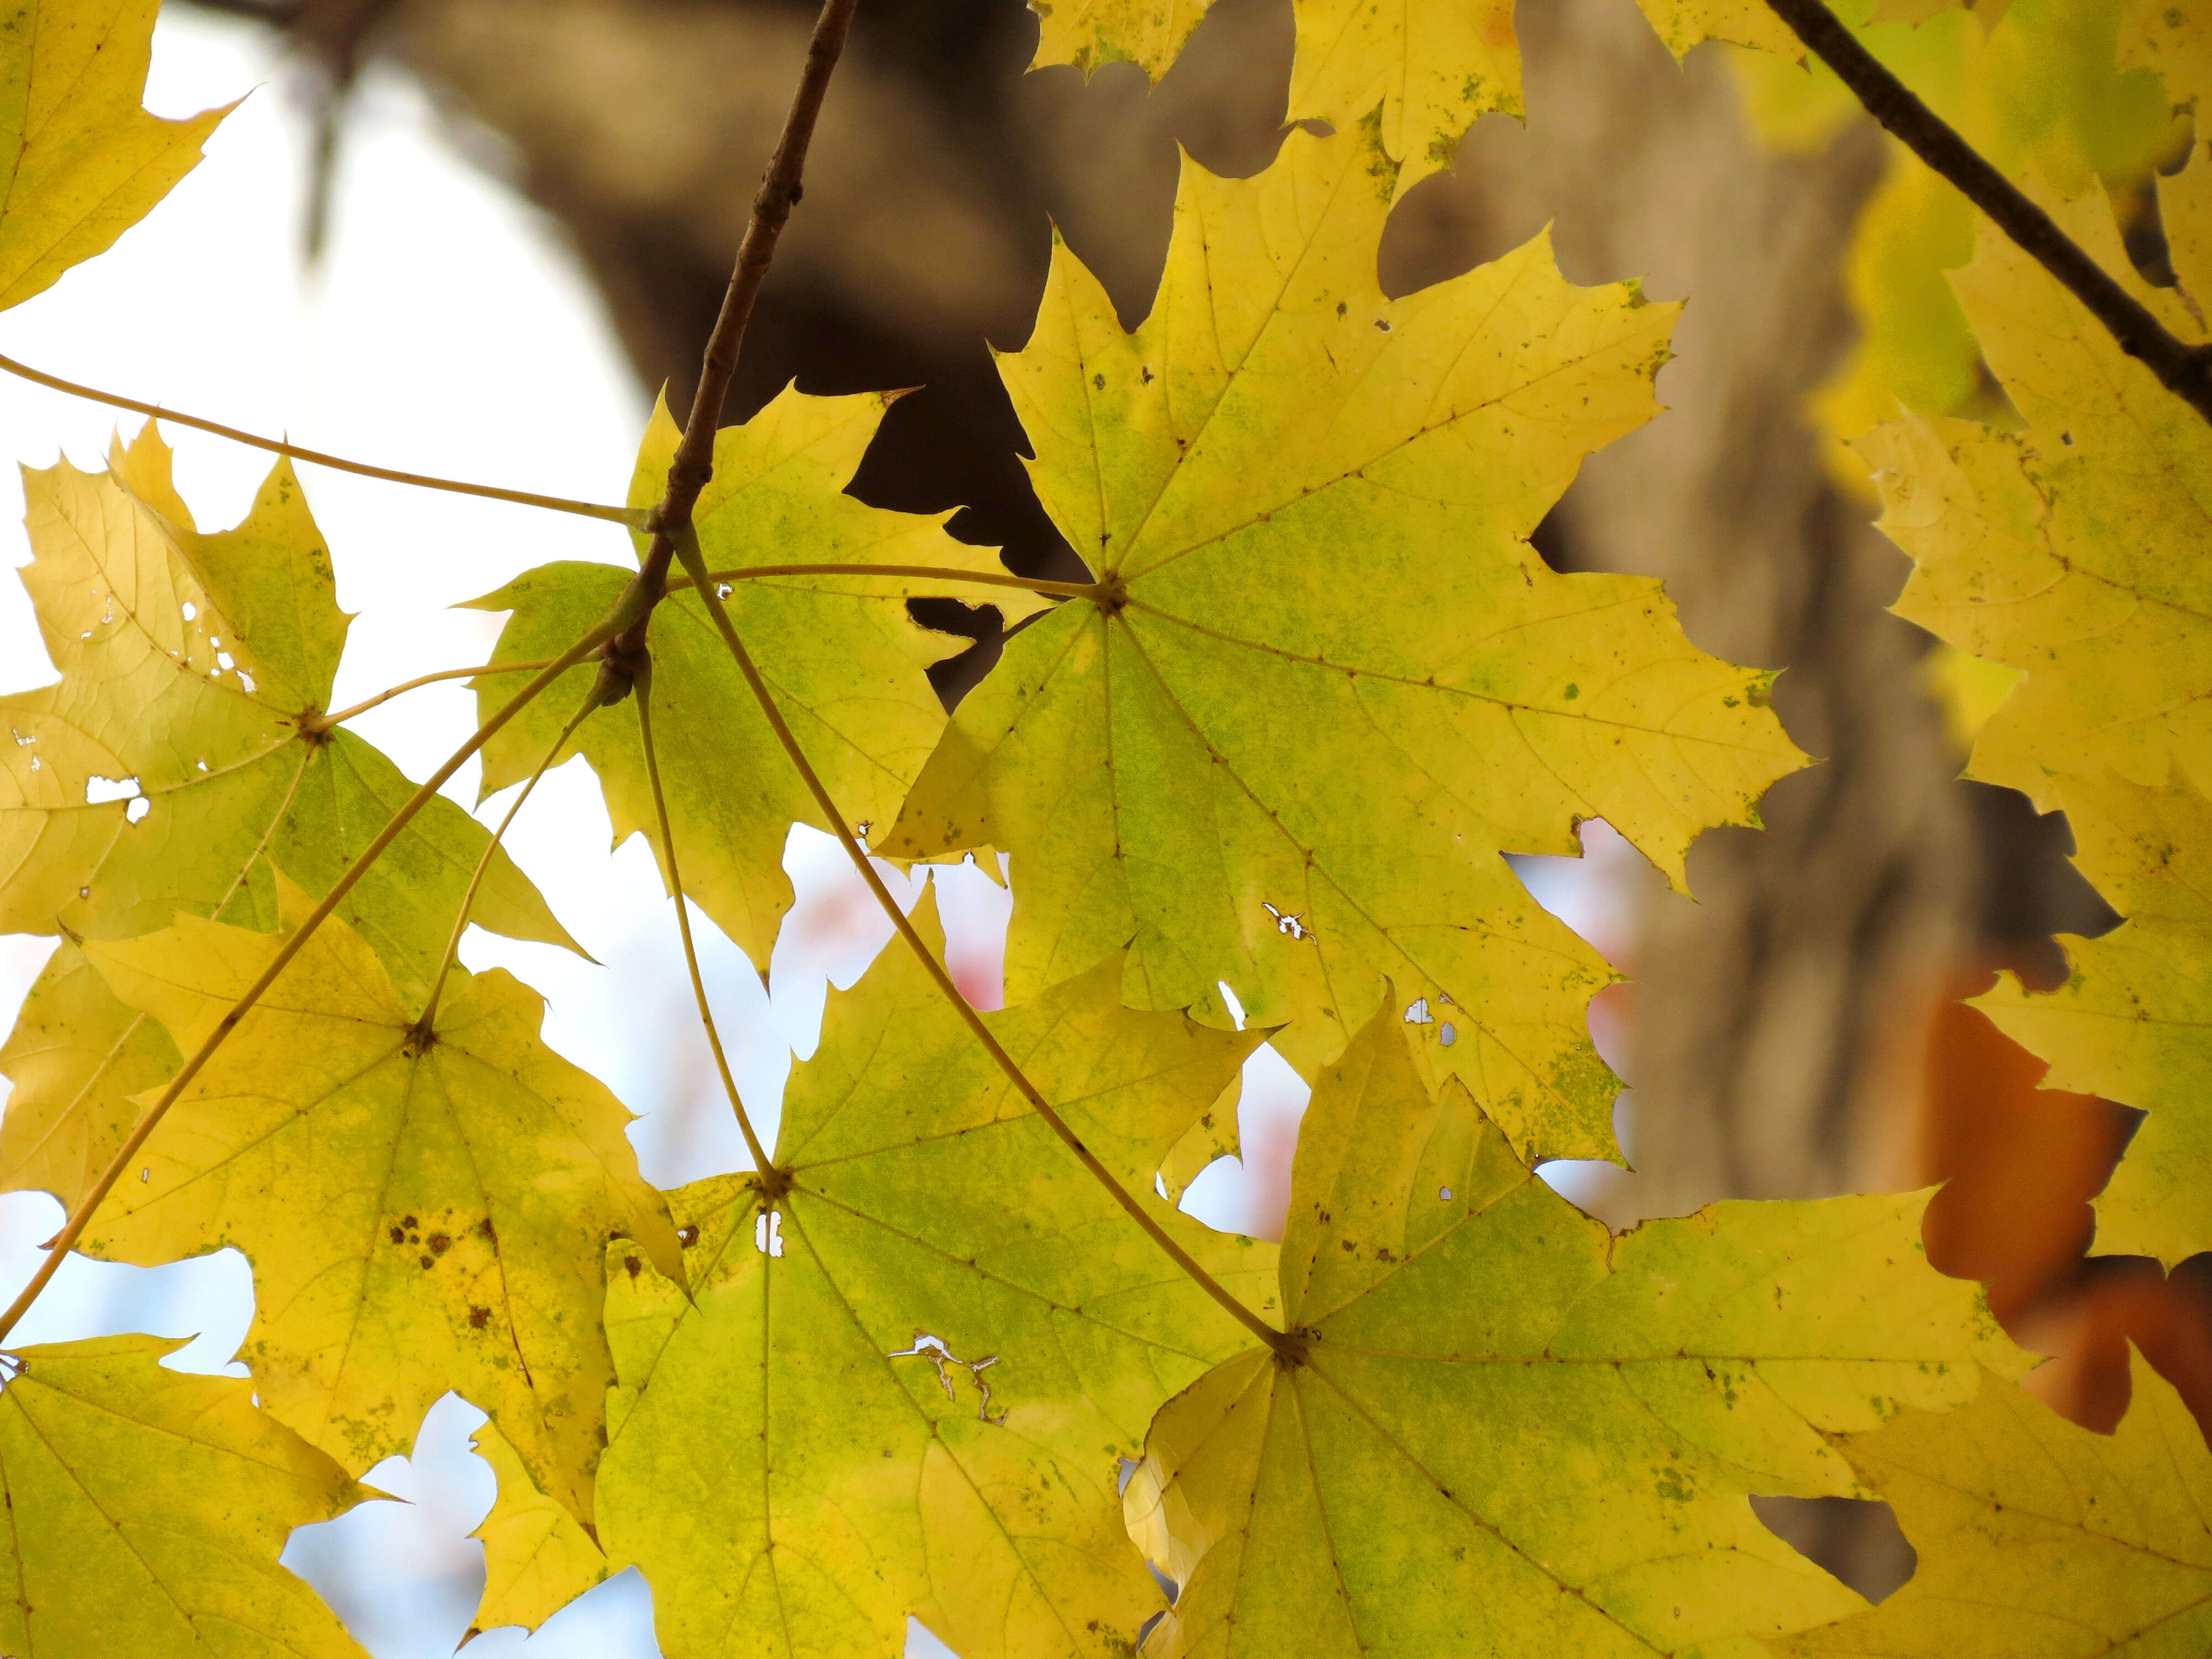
pixel 2066 438
pixel 398 1235
pixel 632 1266
pixel 1147 373
pixel 1098 382
pixel 439 1243
pixel 1380 324
pixel 408 1221
pixel 687 1237
pixel 429 1261
pixel 485 1227
pixel 479 1318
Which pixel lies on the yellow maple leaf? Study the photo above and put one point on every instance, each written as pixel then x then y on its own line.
pixel 1310 505
pixel 2074 550
pixel 910 1361
pixel 2172 38
pixel 2133 1021
pixel 2038 1539
pixel 1513 1434
pixel 175 768
pixel 147 1509
pixel 538 1556
pixel 1093 34
pixel 843 657
pixel 80 162
pixel 423 1212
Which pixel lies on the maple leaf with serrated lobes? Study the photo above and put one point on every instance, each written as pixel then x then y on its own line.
pixel 538 1557
pixel 147 1508
pixel 909 1363
pixel 1512 1434
pixel 1431 69
pixel 422 1212
pixel 188 662
pixel 843 657
pixel 2038 1539
pixel 2133 1021
pixel 1331 681
pixel 2079 549
pixel 80 162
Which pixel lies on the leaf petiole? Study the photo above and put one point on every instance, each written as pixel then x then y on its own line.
pixel 316 457
pixel 687 549
pixel 761 1160
pixel 923 572
pixel 324 722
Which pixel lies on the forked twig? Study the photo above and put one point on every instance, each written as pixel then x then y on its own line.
pixel 2183 370
pixel 57 1248
pixel 761 1160
pixel 780 191
pixel 336 463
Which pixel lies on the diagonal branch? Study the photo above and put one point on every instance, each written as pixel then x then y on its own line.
pixel 780 191
pixel 427 1022
pixel 316 457
pixel 1282 1342
pixel 324 722
pixel 57 1246
pixel 2183 370
pixel 761 1160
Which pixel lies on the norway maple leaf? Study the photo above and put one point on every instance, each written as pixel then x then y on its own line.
pixel 176 765
pixel 1329 680
pixel 1511 1433
pixel 147 1509
pixel 1427 71
pixel 423 1210
pixel 2079 550
pixel 2038 1539
pixel 842 655
pixel 914 1353
pixel 2133 1021
pixel 80 162
pixel 538 1556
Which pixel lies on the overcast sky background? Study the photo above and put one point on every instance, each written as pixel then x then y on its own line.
pixel 449 331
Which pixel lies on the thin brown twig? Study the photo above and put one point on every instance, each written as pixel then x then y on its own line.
pixel 780 191
pixel 316 457
pixel 926 572
pixel 427 1022
pixel 2183 370
pixel 57 1246
pixel 761 1160
pixel 1281 1341
pixel 324 722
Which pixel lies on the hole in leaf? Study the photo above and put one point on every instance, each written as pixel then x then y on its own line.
pixel 97 791
pixel 1443 1195
pixel 940 1353
pixel 768 1233
pixel 138 808
pixel 1417 1013
pixel 1447 1034
pixel 191 610
pixel 1294 926
pixel 1856 1538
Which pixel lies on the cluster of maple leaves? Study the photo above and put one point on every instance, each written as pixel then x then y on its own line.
pixel 927 1363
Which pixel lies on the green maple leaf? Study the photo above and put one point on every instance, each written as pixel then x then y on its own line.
pixel 1514 1434
pixel 1332 679
pixel 147 1509
pixel 2133 1021
pixel 845 662
pixel 2038 1539
pixel 189 661
pixel 421 1213
pixel 917 1407
pixel 80 162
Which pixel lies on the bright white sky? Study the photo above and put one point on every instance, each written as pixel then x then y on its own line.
pixel 450 332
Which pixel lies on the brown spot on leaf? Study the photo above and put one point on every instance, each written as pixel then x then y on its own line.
pixel 400 1235
pixel 632 1265
pixel 479 1318
pixel 429 1261
pixel 439 1243
pixel 687 1237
